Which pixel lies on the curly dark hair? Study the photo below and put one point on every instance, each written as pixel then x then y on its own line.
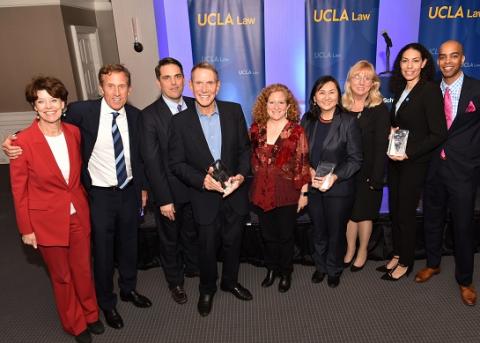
pixel 398 82
pixel 313 109
pixel 259 111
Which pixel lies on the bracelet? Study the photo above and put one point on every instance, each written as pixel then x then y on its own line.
pixel 305 194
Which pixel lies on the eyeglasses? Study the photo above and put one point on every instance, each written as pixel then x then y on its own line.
pixel 358 78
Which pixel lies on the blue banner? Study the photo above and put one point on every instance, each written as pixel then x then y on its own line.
pixel 338 34
pixel 441 20
pixel 230 35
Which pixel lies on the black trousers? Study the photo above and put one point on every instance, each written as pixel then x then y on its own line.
pixel 115 218
pixel 405 180
pixel 329 216
pixel 225 234
pixel 178 244
pixel 444 191
pixel 278 228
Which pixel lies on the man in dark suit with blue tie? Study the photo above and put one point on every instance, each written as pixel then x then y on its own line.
pixel 453 174
pixel 209 131
pixel 173 211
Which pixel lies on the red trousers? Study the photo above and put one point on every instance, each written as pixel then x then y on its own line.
pixel 71 277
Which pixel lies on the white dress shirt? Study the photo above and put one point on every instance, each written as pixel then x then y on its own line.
pixel 58 146
pixel 101 165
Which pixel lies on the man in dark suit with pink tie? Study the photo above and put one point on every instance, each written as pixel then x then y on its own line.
pixel 453 175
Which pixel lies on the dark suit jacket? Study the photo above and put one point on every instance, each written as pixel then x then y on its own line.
pixel 165 186
pixel 375 127
pixel 190 158
pixel 86 115
pixel 462 146
pixel 342 146
pixel 422 114
pixel 41 196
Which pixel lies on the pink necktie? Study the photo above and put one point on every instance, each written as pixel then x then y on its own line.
pixel 448 108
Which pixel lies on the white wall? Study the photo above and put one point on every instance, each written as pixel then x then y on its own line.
pixel 141 65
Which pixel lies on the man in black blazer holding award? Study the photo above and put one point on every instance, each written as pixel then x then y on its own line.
pixel 453 174
pixel 209 131
pixel 173 211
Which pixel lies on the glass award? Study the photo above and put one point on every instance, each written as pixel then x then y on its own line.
pixel 398 143
pixel 325 169
pixel 220 173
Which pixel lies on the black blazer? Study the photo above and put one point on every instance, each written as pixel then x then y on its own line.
pixel 374 123
pixel 165 187
pixel 86 115
pixel 342 146
pixel 190 158
pixel 422 114
pixel 462 146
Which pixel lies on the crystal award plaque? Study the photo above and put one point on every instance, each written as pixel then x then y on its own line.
pixel 325 169
pixel 220 173
pixel 398 143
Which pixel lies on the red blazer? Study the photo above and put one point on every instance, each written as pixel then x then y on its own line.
pixel 41 196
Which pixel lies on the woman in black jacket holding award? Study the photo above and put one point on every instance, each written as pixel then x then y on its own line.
pixel 335 156
pixel 417 108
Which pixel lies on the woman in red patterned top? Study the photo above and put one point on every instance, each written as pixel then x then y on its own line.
pixel 280 177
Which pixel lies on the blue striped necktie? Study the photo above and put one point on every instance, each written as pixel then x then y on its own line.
pixel 120 166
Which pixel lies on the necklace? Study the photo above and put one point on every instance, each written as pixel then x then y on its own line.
pixel 326 121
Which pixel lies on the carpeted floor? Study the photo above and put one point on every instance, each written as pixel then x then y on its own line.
pixel 362 309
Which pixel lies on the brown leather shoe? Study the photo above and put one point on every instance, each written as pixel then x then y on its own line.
pixel 469 295
pixel 425 274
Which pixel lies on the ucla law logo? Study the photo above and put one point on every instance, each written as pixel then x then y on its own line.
pixel 217 19
pixel 334 15
pixel 452 12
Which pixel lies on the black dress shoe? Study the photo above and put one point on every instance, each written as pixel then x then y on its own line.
pixel 83 337
pixel 204 306
pixel 318 276
pixel 136 298
pixel 179 295
pixel 113 318
pixel 347 264
pixel 285 283
pixel 269 279
pixel 192 274
pixel 333 281
pixel 97 328
pixel 238 291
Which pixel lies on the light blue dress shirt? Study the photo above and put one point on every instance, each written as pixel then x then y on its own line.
pixel 212 131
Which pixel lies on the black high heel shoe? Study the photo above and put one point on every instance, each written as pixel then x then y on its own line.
pixel 384 268
pixel 388 276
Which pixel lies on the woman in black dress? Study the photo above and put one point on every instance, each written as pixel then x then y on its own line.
pixel 363 99
pixel 418 108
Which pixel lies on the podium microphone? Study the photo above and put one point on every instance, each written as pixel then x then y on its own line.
pixel 388 42
pixel 387 38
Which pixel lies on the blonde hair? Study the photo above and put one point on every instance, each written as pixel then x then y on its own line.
pixel 374 97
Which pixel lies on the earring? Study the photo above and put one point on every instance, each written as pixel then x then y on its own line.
pixel 37 116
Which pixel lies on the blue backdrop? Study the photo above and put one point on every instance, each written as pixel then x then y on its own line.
pixel 229 34
pixel 338 34
pixel 460 20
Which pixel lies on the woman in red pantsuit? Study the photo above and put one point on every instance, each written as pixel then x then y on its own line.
pixel 52 209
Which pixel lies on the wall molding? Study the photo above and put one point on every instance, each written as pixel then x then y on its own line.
pixel 11 122
pixel 94 5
